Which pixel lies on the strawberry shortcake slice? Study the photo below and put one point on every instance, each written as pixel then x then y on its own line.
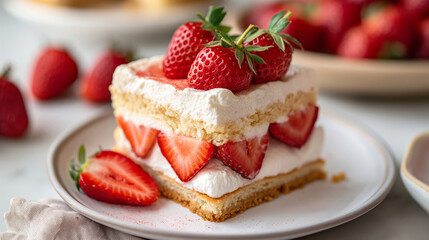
pixel 237 131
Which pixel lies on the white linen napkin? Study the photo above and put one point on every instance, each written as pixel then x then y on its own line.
pixel 50 219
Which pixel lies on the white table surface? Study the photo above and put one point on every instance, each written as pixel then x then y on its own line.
pixel 23 171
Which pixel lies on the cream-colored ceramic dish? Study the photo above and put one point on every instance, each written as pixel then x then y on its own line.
pixel 415 170
pixel 115 23
pixel 365 77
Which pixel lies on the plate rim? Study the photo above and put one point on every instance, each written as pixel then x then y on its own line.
pixel 376 198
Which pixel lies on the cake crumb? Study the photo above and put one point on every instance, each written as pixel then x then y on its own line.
pixel 338 177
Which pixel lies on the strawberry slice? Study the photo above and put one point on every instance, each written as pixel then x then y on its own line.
pixel 244 157
pixel 140 137
pixel 186 155
pixel 113 178
pixel 297 129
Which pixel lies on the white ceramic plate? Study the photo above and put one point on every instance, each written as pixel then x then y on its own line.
pixel 367 163
pixel 110 23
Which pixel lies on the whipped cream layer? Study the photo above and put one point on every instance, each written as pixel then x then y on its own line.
pixel 215 106
pixel 216 179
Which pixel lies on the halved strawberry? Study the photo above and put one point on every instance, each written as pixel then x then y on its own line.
pixel 245 157
pixel 140 137
pixel 297 129
pixel 186 155
pixel 113 178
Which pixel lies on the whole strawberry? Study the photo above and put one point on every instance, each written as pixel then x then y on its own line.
pixel 54 71
pixel 335 17
pixel 358 43
pixel 224 64
pixel 417 8
pixel 189 39
pixel 13 116
pixel 95 84
pixel 278 56
pixel 394 27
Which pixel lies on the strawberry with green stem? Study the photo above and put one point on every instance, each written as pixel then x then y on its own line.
pixel 111 177
pixel 225 64
pixel 189 39
pixel 276 59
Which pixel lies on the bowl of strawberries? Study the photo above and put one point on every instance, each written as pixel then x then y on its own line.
pixel 358 47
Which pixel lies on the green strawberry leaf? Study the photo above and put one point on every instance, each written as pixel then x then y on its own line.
pixel 223 28
pixel 76 170
pixel 250 62
pixel 280 26
pixel 276 18
pixel 212 21
pixel 213 44
pixel 252 48
pixel 225 37
pixel 239 55
pixel 225 44
pixel 81 154
pixel 255 35
pixel 257 59
pixel 215 15
pixel 73 175
pixel 279 41
pixel 292 39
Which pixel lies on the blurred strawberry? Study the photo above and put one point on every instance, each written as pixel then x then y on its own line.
pixel 261 14
pixel 423 39
pixel 335 17
pixel 308 34
pixel 358 43
pixel 392 25
pixel 95 85
pixel 417 8
pixel 54 71
pixel 13 116
pixel 363 2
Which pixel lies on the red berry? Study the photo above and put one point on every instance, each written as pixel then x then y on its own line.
pixel 140 137
pixel 113 178
pixel 308 34
pixel 277 62
pixel 13 116
pixel 391 24
pixel 261 14
pixel 217 67
pixel 95 85
pixel 245 157
pixel 54 71
pixel 296 131
pixel 186 155
pixel 423 39
pixel 187 41
pixel 358 43
pixel 416 8
pixel 335 17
